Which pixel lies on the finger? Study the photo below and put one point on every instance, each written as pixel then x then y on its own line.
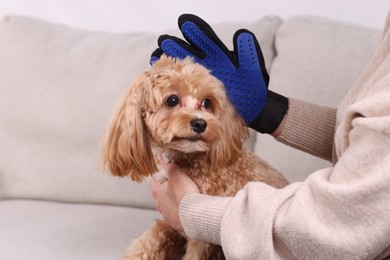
pixel 167 166
pixel 155 55
pixel 249 54
pixel 177 48
pixel 200 34
pixel 246 50
pixel 176 178
pixel 180 182
pixel 152 183
pixel 154 188
pixel 174 175
pixel 157 187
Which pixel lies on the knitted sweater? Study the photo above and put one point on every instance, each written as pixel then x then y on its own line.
pixel 342 212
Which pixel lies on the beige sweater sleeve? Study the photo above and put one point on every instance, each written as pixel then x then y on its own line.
pixel 336 213
pixel 310 128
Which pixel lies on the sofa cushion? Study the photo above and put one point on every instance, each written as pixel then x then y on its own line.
pixel 59 87
pixel 317 60
pixel 50 230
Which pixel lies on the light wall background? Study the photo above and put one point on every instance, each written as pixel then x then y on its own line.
pixel 159 15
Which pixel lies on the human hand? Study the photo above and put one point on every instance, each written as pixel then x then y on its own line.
pixel 242 71
pixel 168 193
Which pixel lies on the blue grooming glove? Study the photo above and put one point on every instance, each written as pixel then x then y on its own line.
pixel 242 71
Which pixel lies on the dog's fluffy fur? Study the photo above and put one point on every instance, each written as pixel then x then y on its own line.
pixel 179 110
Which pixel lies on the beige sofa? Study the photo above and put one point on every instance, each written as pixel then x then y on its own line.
pixel 58 89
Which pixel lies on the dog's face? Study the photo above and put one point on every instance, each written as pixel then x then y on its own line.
pixel 175 106
pixel 184 110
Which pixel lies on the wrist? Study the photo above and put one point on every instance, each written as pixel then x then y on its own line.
pixel 270 119
pixel 279 130
pixel 201 216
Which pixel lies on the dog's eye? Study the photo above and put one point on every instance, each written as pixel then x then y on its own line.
pixel 172 101
pixel 206 103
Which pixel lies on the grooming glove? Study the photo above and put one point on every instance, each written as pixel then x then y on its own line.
pixel 242 71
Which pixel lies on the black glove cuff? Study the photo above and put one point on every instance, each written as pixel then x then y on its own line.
pixel 272 114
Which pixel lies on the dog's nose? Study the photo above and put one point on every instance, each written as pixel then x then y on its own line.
pixel 198 125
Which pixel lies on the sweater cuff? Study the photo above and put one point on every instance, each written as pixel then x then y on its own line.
pixel 310 128
pixel 201 216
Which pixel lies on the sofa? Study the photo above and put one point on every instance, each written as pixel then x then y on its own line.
pixel 58 89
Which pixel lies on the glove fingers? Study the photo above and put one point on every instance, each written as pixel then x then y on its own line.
pixel 156 55
pixel 199 22
pixel 200 34
pixel 175 47
pixel 249 54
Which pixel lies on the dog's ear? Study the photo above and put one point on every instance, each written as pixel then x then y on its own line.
pixel 229 147
pixel 127 150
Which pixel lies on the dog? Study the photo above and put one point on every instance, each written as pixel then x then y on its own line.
pixel 179 111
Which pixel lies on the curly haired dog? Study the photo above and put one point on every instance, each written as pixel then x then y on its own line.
pixel 179 110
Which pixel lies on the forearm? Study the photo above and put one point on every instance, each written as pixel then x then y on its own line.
pixel 311 220
pixel 201 216
pixel 309 127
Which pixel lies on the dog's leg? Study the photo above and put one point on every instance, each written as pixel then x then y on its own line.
pixel 199 250
pixel 158 243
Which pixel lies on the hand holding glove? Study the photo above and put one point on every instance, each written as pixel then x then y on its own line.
pixel 242 71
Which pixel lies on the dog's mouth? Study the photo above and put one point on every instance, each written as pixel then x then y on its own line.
pixel 189 144
pixel 193 138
